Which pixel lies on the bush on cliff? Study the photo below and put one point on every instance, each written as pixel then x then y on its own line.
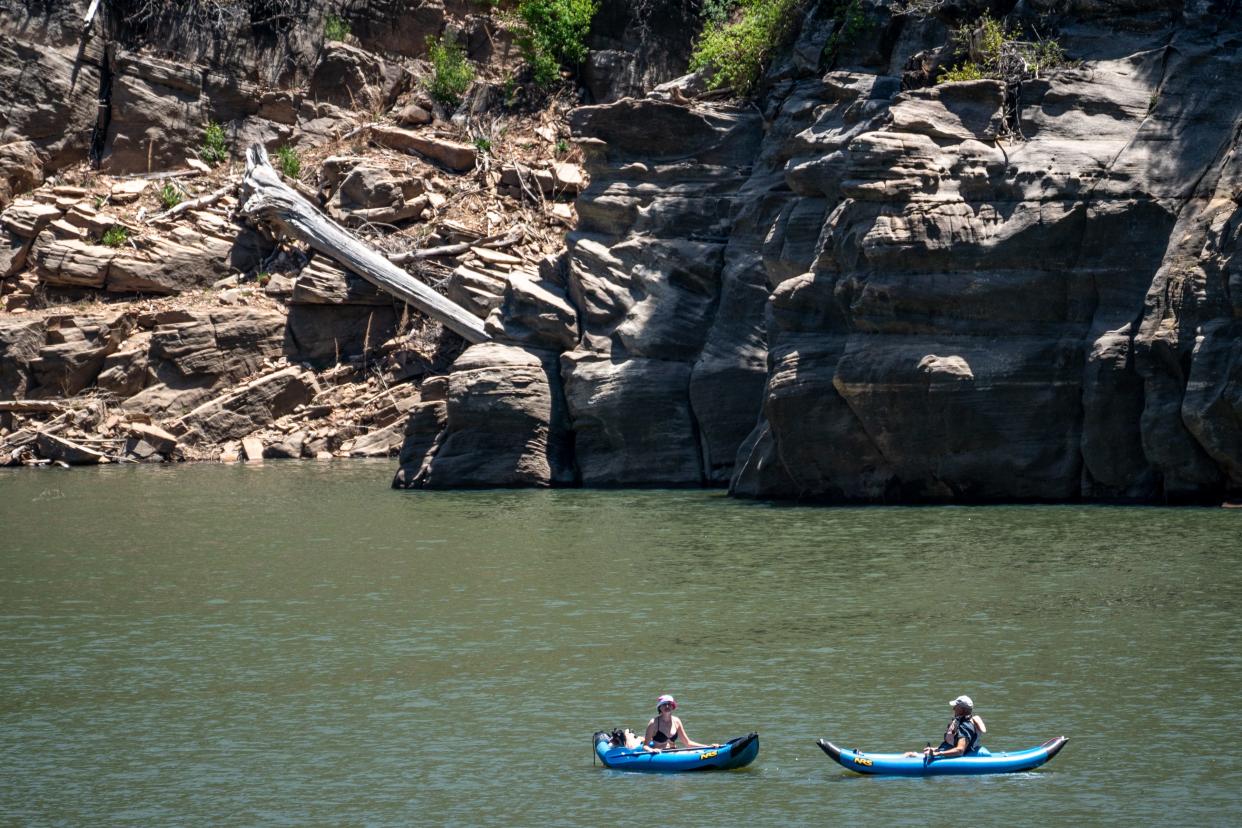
pixel 995 52
pixel 334 28
pixel 737 45
pixel 553 32
pixel 451 72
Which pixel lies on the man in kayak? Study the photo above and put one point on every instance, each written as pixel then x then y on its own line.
pixel 961 737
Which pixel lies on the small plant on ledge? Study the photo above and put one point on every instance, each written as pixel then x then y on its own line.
pixel 115 236
pixel 288 161
pixel 170 196
pixel 215 148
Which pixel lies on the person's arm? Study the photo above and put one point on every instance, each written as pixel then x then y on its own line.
pixel 650 734
pixel 956 750
pixel 979 724
pixel 684 738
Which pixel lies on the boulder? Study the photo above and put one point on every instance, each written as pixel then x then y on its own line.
pixel 252 448
pixel 125 372
pixel 504 422
pixel 372 194
pixel 323 282
pixel 454 155
pixel 534 313
pixel 20 341
pixel 356 79
pixel 21 170
pixel 167 267
pixel 412 115
pixel 320 122
pixel 26 219
pixel 382 442
pixel 59 449
pixel 245 409
pixel 71 263
pixel 287 448
pixel 74 353
pixel 157 438
pixel 13 253
pixel 475 290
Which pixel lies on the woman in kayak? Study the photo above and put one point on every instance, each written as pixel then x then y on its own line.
pixel 962 735
pixel 666 730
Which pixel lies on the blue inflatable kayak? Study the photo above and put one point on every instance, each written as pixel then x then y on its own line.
pixel 894 764
pixel 735 753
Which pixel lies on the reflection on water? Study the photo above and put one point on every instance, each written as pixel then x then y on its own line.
pixel 294 643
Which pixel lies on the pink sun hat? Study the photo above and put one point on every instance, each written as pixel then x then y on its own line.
pixel 666 699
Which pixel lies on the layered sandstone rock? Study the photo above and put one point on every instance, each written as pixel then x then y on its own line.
pixel 876 290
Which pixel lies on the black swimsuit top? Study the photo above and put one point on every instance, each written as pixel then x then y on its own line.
pixel 660 738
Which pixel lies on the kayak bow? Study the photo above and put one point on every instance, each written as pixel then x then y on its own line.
pixel 895 764
pixel 735 753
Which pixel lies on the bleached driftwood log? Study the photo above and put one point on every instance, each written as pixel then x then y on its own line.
pixel 267 198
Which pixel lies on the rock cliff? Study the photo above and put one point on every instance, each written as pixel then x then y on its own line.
pixel 863 286
pixel 869 288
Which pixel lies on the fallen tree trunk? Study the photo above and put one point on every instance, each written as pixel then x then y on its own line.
pixel 267 198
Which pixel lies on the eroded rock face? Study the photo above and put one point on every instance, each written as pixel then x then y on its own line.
pixel 966 325
pixel 932 294
pixel 191 355
pixel 49 93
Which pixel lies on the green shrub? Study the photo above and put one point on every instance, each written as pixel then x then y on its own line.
pixel 215 149
pixel 334 28
pixel 968 71
pixel 451 72
pixel 170 196
pixel 483 145
pixel 739 49
pixel 1000 54
pixel 1045 55
pixel 562 147
pixel 288 161
pixel 115 236
pixel 553 32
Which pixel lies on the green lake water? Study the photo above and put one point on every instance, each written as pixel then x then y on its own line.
pixel 297 644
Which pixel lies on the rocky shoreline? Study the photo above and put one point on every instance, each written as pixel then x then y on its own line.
pixel 861 287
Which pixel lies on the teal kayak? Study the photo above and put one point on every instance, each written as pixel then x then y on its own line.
pixel 894 764
pixel 735 753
